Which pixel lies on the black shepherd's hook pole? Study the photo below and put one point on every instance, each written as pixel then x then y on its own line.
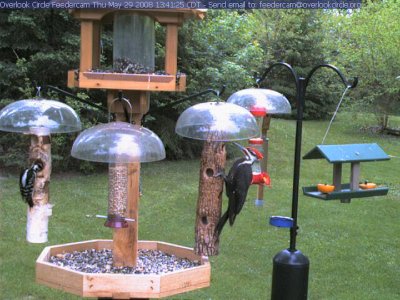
pixel 290 266
pixel 301 87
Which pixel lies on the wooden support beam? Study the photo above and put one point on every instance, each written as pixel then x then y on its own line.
pixel 337 176
pixel 90 45
pixel 355 176
pixel 171 49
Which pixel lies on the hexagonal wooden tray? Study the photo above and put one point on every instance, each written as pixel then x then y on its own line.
pixel 122 286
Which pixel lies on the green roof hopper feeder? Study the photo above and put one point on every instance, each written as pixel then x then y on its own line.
pixel 349 153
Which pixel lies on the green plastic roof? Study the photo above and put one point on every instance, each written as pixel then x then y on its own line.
pixel 347 153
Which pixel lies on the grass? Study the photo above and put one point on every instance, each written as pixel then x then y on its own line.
pixel 353 248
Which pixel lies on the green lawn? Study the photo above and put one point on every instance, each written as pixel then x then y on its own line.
pixel 353 248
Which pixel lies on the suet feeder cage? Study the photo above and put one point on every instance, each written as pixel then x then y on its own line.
pixel 118 143
pixel 134 40
pixel 216 121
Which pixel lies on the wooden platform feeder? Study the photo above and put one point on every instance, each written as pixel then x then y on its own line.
pixel 122 286
pixel 91 21
pixel 353 154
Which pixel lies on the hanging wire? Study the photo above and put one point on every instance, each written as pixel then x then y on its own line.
pixel 334 114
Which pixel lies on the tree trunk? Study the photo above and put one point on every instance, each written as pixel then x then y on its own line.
pixel 38 215
pixel 209 202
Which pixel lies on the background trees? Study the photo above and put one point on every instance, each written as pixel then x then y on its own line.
pixel 228 47
pixel 367 43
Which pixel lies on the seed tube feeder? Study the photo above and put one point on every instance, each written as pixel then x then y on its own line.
pixel 262 103
pixel 215 123
pixel 39 118
pixel 118 143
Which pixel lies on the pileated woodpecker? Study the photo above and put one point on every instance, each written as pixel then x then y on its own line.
pixel 237 184
pixel 27 181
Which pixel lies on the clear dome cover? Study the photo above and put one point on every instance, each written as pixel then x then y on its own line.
pixel 39 116
pixel 118 142
pixel 217 121
pixel 272 101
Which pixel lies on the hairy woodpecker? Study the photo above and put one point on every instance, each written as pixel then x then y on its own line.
pixel 27 181
pixel 237 184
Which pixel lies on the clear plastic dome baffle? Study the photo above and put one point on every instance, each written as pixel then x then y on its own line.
pixel 273 102
pixel 39 116
pixel 217 121
pixel 118 142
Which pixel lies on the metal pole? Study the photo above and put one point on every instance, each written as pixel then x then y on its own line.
pixel 297 159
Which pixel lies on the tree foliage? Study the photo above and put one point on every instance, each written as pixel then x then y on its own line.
pixel 226 48
pixel 297 37
pixel 368 44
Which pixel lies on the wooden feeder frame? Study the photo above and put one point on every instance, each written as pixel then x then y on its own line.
pixel 349 153
pixel 91 20
pixel 122 286
pixel 125 244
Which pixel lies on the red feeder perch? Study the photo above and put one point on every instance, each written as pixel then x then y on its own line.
pixel 261 178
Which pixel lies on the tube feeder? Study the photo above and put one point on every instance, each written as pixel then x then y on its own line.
pixel 130 26
pixel 39 118
pixel 214 123
pixel 262 103
pixel 118 143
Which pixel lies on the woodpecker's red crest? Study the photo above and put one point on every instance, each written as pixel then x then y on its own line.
pixel 255 152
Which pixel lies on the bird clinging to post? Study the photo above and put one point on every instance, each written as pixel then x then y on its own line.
pixel 237 184
pixel 27 182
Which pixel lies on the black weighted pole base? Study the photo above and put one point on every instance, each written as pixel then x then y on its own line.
pixel 290 276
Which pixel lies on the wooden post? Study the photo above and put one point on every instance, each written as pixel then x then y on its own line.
pixel 264 161
pixel 171 49
pixel 337 176
pixel 209 203
pixel 38 215
pixel 90 45
pixel 355 176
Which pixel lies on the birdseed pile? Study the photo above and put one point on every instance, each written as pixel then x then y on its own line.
pixel 100 261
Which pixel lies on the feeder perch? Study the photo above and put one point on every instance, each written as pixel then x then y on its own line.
pixel 215 123
pixel 39 118
pixel 262 103
pixel 118 143
pixel 353 154
pixel 131 34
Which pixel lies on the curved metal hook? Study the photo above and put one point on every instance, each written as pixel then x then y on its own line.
pixel 120 98
pixel 286 65
pixel 329 66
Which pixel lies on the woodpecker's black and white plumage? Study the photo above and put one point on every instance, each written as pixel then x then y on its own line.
pixel 27 181
pixel 237 184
